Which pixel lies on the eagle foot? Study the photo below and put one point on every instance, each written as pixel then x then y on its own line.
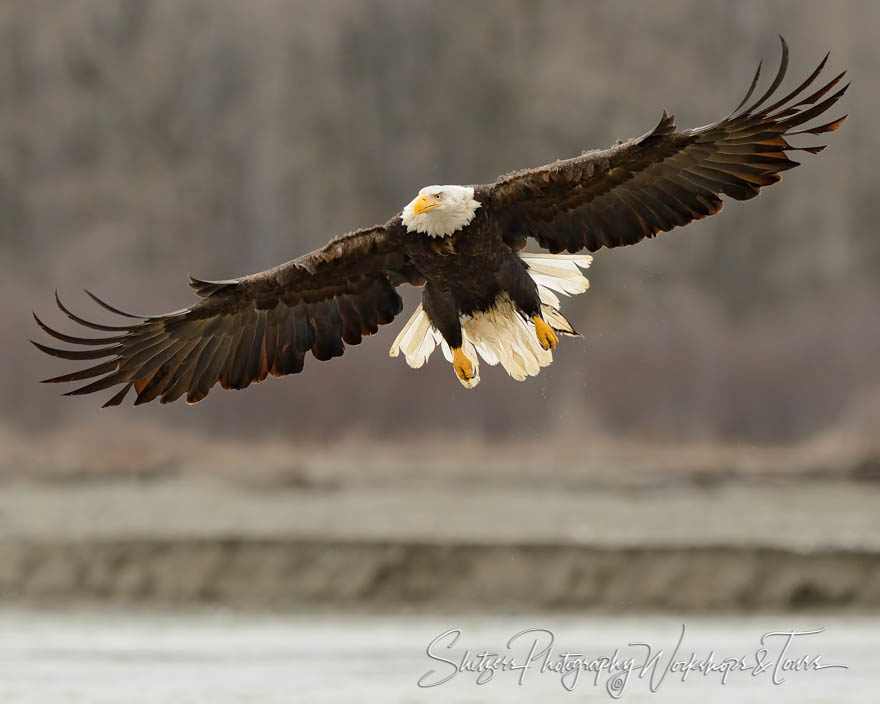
pixel 462 365
pixel 546 336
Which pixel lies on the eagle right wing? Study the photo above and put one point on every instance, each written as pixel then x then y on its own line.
pixel 664 179
pixel 245 329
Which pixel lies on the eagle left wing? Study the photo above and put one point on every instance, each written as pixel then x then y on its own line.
pixel 663 179
pixel 242 330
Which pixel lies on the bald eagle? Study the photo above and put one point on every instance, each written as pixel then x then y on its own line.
pixel 483 297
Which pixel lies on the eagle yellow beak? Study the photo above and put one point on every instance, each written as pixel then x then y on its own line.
pixel 423 204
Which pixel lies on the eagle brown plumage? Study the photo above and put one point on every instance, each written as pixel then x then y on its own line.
pixel 242 330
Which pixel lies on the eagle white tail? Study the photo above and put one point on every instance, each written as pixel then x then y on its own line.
pixel 502 334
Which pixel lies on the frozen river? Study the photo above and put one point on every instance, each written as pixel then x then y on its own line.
pixel 99 657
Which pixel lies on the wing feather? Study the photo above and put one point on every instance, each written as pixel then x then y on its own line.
pixel 665 178
pixel 242 330
pixel 180 383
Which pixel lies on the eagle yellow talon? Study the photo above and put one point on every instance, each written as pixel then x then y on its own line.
pixel 462 365
pixel 546 336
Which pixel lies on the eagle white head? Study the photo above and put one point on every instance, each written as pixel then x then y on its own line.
pixel 439 211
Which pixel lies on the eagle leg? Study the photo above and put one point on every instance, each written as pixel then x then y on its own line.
pixel 546 336
pixel 464 368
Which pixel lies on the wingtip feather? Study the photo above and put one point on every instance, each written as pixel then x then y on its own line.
pixel 112 309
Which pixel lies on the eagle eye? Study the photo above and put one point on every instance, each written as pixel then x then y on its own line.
pixel 438 196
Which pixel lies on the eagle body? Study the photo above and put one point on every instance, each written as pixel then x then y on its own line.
pixel 467 271
pixel 485 297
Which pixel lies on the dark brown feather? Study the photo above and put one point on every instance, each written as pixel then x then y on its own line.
pixel 242 330
pixel 663 179
pixel 118 398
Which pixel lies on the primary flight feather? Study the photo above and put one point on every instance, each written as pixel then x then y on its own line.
pixel 484 298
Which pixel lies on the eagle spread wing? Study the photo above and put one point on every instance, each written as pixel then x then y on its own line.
pixel 663 179
pixel 245 329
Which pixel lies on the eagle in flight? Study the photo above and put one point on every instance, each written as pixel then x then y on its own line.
pixel 483 296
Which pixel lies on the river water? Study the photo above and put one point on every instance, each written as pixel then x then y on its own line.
pixel 217 657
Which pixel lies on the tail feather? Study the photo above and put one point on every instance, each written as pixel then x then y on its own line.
pixel 502 335
pixel 558 271
pixel 416 340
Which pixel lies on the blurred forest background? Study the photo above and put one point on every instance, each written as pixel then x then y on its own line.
pixel 143 141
